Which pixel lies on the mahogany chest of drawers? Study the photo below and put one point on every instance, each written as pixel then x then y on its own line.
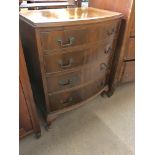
pixel 69 53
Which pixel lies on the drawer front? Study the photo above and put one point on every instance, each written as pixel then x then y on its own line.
pixel 130 54
pixel 129 72
pixel 64 81
pixel 63 61
pixel 60 39
pixel 66 99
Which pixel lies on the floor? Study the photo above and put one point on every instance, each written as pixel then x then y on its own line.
pixel 104 126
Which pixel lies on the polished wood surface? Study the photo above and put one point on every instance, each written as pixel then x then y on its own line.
pixel 69 16
pixel 125 47
pixel 70 63
pixel 123 6
pixel 28 119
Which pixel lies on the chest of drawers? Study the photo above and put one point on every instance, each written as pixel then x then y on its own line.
pixel 69 53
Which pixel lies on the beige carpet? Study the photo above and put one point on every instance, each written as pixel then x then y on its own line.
pixel 105 126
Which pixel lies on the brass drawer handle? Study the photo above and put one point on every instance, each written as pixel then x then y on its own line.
pixel 103 66
pixel 64 64
pixel 67 101
pixel 71 41
pixel 68 81
pixel 65 82
pixel 106 51
pixel 111 32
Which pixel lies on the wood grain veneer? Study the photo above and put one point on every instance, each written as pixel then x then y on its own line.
pixel 28 119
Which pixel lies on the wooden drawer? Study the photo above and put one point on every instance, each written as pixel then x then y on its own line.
pixel 57 39
pixel 62 100
pixel 61 61
pixel 130 54
pixel 128 72
pixel 61 81
pixel 71 37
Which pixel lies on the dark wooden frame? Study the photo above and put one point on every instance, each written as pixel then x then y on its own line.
pixel 25 87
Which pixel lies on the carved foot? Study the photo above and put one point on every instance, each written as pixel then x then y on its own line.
pixel 110 92
pixel 49 122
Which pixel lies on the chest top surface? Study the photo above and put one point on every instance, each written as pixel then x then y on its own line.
pixel 68 16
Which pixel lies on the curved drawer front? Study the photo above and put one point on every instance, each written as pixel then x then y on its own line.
pixel 74 36
pixel 64 61
pixel 63 81
pixel 58 39
pixel 62 100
